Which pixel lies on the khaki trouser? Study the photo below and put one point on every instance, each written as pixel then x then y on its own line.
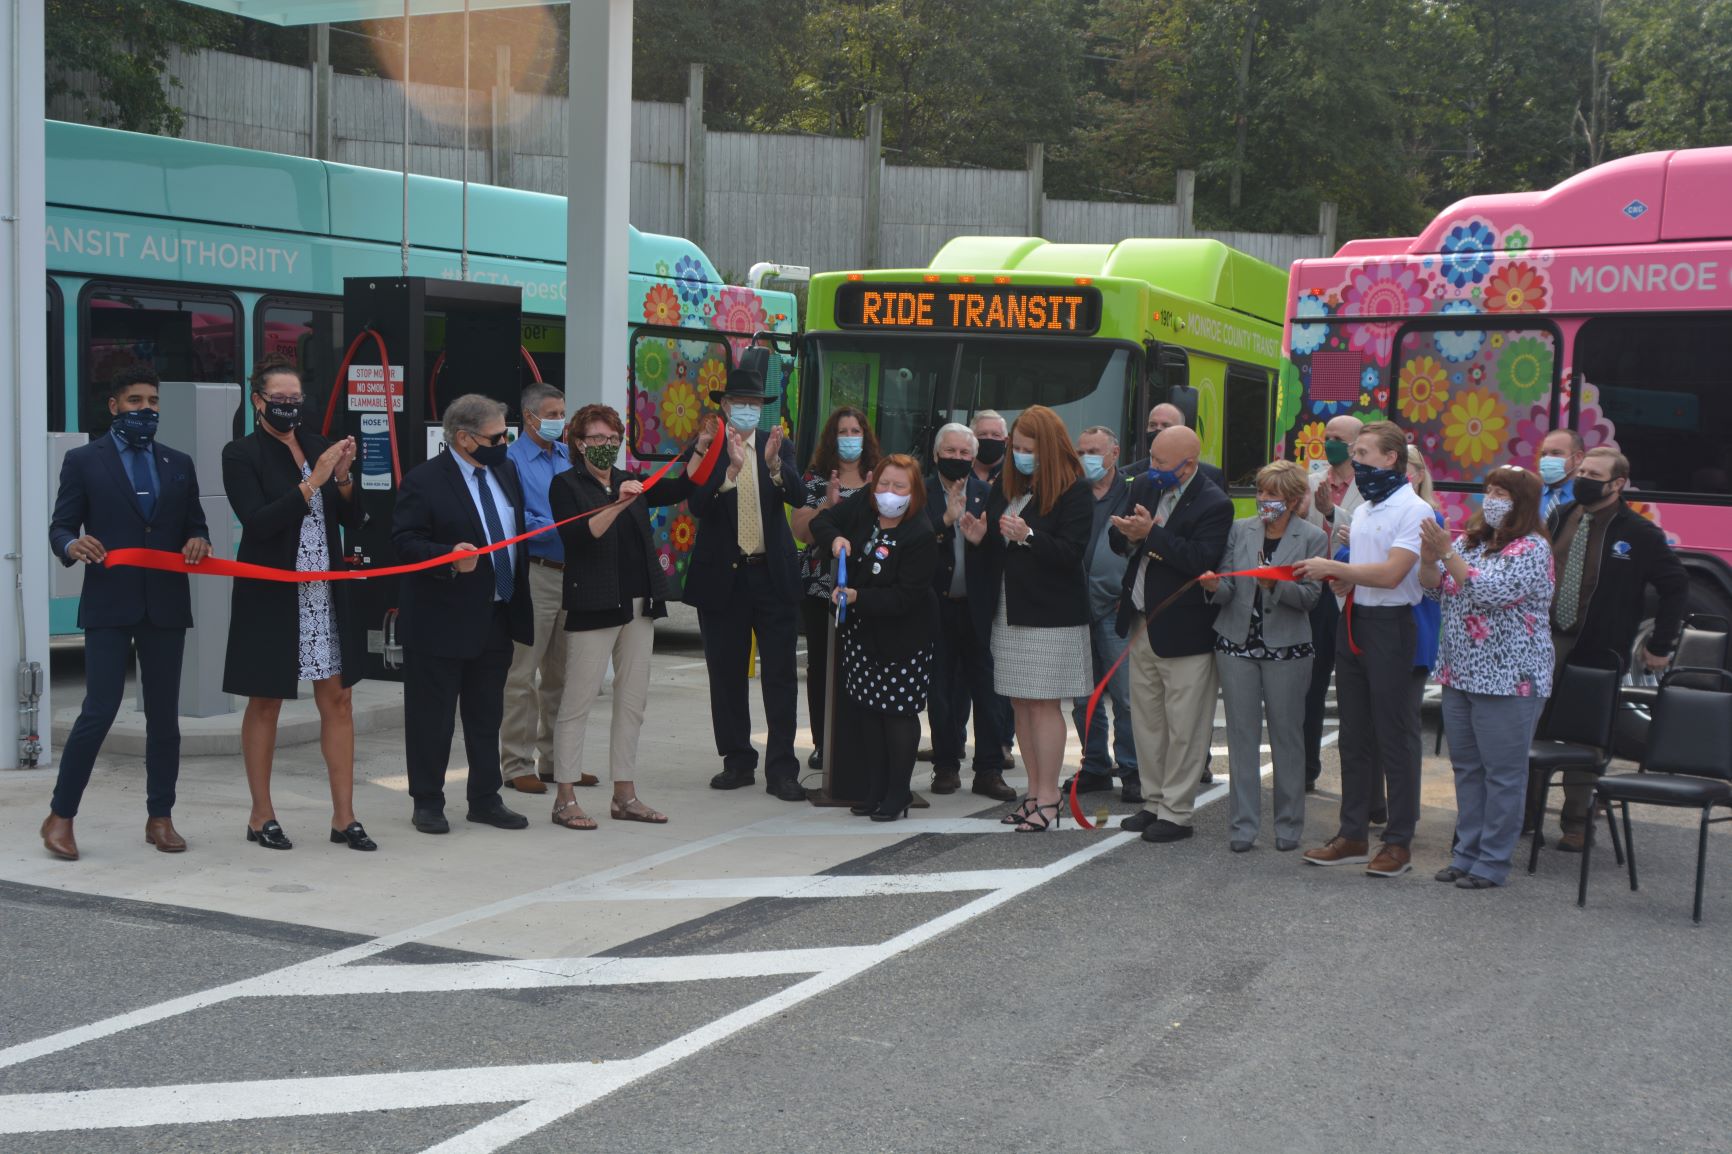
pixel 530 709
pixel 1172 716
pixel 587 654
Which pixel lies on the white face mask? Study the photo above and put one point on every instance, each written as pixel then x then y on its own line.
pixel 891 504
pixel 1495 509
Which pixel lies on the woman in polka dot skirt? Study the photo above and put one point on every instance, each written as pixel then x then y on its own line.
pixel 886 641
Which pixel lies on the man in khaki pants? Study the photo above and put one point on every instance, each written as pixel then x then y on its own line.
pixel 537 678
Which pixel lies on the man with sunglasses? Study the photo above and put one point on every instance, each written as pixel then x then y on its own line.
pixel 458 623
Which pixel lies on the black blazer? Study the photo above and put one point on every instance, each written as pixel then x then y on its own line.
pixel 97 496
pixel 714 569
pixel 263 484
pixel 897 610
pixel 977 572
pixel 440 611
pixel 1191 543
pixel 592 564
pixel 1045 581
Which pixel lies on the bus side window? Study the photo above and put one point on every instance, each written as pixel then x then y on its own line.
pixel 310 333
pixel 185 335
pixel 1665 385
pixel 1245 434
pixel 671 382
pixel 56 350
pixel 1172 384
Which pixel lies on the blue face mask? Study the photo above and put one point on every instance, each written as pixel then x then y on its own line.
pixel 1024 463
pixel 744 417
pixel 1094 466
pixel 1377 484
pixel 1551 470
pixel 552 430
pixel 850 448
pixel 137 427
pixel 1164 479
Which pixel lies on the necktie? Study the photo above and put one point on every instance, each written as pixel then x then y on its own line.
pixel 751 517
pixel 495 532
pixel 1569 598
pixel 139 466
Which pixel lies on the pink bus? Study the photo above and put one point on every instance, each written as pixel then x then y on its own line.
pixel 1602 305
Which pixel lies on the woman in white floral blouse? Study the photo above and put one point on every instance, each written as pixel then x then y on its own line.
pixel 1494 662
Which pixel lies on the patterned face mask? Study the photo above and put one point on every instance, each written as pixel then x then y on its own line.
pixel 601 456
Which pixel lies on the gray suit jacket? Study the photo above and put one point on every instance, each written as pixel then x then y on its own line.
pixel 1287 607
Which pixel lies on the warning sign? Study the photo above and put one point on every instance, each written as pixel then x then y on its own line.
pixel 375 451
pixel 367 388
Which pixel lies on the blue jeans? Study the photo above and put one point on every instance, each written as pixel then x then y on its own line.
pixel 1108 647
pixel 1489 737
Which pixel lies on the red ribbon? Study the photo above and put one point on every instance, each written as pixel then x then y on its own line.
pixel 222 567
pixel 1264 573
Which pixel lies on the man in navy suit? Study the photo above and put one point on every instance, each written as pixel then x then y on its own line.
pixel 1176 529
pixel 123 490
pixel 459 623
pixel 743 579
pixel 966 602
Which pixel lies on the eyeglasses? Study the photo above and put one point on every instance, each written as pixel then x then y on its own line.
pixel 283 398
pixel 491 438
pixel 601 439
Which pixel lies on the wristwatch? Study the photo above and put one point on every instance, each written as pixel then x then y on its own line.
pixel 344 479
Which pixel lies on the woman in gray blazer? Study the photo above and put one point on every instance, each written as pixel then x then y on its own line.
pixel 1263 653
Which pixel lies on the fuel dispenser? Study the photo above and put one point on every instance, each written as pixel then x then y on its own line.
pixel 413 343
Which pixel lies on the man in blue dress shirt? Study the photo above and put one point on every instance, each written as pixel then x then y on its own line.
pixel 1560 456
pixel 526 738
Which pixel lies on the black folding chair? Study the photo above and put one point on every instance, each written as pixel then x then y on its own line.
pixel 1689 765
pixel 1703 643
pixel 1576 737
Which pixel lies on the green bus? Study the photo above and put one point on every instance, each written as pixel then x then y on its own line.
pixel 1098 332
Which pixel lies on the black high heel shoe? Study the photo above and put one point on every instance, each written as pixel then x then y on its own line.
pixel 353 836
pixel 862 810
pixel 270 836
pixel 882 814
pixel 1037 822
pixel 1020 814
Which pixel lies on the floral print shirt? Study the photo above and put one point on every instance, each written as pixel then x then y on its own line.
pixel 1496 637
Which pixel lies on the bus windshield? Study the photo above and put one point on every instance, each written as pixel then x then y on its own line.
pixel 909 386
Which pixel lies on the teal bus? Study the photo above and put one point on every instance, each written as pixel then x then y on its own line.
pixel 200 259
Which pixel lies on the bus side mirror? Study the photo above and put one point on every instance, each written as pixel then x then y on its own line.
pixel 1184 398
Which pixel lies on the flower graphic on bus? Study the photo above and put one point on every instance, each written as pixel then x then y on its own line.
pixel 1309 443
pixel 661 306
pixel 1475 427
pixel 689 278
pixel 1307 339
pixel 738 310
pixel 1517 239
pixel 681 411
pixel 1386 290
pixel 1518 287
pixel 682 533
pixel 1467 253
pixel 649 426
pixel 712 377
pixel 652 364
pixel 1525 370
pixel 1424 389
pixel 1462 344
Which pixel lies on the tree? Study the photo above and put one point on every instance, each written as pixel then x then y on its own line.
pixel 122 50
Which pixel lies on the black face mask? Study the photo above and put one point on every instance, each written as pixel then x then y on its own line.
pixel 1376 484
pixel 489 456
pixel 953 468
pixel 1589 491
pixel 990 453
pixel 282 418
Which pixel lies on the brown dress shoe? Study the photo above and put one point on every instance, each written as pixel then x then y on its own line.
pixel 57 837
pixel 159 832
pixel 1338 851
pixel 992 785
pixel 1391 861
pixel 528 783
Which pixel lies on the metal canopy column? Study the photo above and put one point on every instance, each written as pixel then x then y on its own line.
pixel 598 187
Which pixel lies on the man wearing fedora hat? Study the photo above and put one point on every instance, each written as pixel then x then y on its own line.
pixel 743 579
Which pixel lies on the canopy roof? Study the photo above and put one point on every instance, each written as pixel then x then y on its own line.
pixel 294 12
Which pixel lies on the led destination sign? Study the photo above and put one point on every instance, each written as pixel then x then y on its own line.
pixel 970 308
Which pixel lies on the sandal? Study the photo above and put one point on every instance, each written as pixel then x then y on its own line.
pixel 575 820
pixel 1020 814
pixel 635 810
pixel 1038 814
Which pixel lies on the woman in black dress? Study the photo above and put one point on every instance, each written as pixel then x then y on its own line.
pixel 292 492
pixel 886 640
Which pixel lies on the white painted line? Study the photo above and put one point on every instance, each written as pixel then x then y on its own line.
pixel 542 973
pixel 801 886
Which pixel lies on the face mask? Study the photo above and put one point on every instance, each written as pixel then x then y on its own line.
pixel 1493 510
pixel 552 430
pixel 1376 484
pixel 1164 479
pixel 1094 466
pixel 1591 492
pixel 1268 511
pixel 1336 451
pixel 601 456
pixel 953 468
pixel 990 452
pixel 137 427
pixel 744 417
pixel 1024 463
pixel 850 448
pixel 489 456
pixel 891 504
pixel 281 417
pixel 1552 470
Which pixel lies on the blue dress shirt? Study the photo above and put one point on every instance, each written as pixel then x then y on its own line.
pixel 536 468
